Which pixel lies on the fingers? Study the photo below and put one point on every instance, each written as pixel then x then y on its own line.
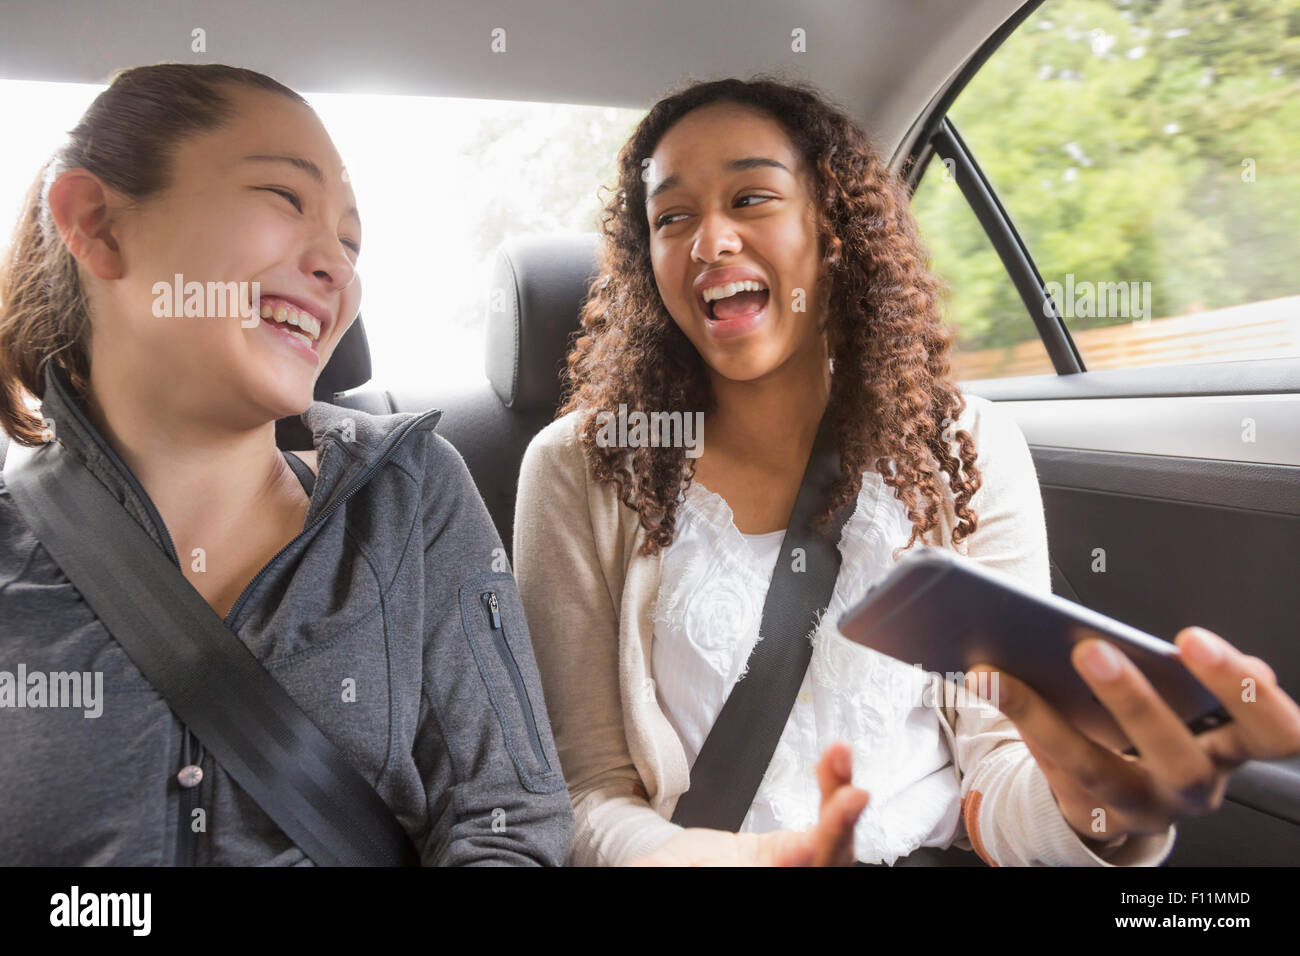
pixel 1106 775
pixel 834 769
pixel 1266 721
pixel 1169 751
pixel 841 805
pixel 1079 806
pixel 833 835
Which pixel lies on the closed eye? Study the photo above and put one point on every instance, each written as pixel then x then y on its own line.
pixel 292 196
pixel 288 194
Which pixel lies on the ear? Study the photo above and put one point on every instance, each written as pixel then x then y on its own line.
pixel 81 206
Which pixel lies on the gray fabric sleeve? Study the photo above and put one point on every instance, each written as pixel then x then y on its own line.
pixel 483 742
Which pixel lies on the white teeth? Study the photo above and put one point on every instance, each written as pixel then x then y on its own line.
pixel 298 335
pixel 288 315
pixel 713 293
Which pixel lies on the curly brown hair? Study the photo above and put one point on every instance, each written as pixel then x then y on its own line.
pixel 891 395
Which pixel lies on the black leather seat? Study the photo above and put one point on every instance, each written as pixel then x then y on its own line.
pixel 538 285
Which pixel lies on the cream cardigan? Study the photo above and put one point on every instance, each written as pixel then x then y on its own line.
pixel 590 597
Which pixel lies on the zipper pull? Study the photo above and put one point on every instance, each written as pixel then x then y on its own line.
pixel 494 610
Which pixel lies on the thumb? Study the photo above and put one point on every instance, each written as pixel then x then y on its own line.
pixel 787 848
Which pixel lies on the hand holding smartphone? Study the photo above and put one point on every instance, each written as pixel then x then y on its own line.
pixel 949 614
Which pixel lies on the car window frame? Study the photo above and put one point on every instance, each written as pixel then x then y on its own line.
pixel 946 143
pixel 1071 379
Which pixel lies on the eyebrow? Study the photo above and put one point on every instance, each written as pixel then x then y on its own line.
pixel 306 165
pixel 749 162
pixel 752 162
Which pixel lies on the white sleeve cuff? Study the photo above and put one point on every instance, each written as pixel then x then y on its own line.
pixel 1057 844
pixel 614 831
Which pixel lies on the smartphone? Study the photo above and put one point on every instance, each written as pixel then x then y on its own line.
pixel 948 613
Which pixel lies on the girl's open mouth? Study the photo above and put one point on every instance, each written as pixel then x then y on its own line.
pixel 294 339
pixel 735 308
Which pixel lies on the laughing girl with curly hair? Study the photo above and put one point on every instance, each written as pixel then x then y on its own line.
pixel 760 265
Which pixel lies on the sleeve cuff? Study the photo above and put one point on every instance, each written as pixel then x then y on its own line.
pixel 1055 841
pixel 614 831
pixel 652 835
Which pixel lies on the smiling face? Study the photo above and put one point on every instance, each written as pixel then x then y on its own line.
pixel 265 200
pixel 733 240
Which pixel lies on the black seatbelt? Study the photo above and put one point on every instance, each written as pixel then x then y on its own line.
pixel 735 755
pixel 306 477
pixel 207 675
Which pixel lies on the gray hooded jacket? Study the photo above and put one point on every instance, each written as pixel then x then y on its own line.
pixel 377 619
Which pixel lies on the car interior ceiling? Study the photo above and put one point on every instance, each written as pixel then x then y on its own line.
pixel 883 62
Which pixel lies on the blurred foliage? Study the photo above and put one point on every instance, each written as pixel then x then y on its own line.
pixel 1123 138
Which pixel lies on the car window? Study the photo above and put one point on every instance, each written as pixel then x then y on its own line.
pixel 440 184
pixel 1145 151
pixel 994 337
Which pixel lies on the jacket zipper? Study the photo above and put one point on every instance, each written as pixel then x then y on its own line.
pixel 333 506
pixel 169 546
pixel 190 798
pixel 493 605
pixel 188 801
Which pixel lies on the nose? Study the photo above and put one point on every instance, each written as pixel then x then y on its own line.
pixel 716 235
pixel 327 261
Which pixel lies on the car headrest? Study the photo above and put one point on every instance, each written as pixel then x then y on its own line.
pixel 538 286
pixel 348 367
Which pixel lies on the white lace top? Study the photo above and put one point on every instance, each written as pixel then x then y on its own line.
pixel 713 585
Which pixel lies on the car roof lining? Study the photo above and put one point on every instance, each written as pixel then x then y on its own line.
pixel 884 61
